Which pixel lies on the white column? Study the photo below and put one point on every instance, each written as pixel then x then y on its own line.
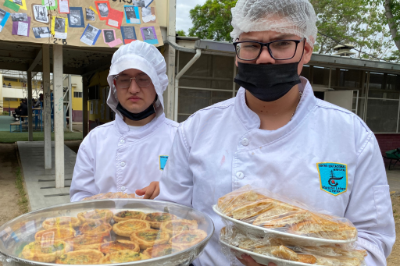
pixel 70 102
pixel 46 112
pixel 58 113
pixel 29 86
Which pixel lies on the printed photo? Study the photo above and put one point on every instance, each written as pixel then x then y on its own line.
pixel 103 8
pixel 2 14
pixel 109 36
pixel 18 2
pixel 140 3
pixel 59 25
pixel 50 2
pixel 148 33
pixel 91 32
pixel 130 12
pixel 40 13
pixel 41 32
pixel 19 17
pixel 90 14
pixel 129 33
pixel 75 17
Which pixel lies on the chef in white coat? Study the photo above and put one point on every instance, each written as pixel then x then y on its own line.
pixel 129 153
pixel 275 133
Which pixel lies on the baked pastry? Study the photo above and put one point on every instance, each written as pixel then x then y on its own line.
pixel 177 226
pixel 126 228
pixel 61 233
pixel 324 227
pixel 46 251
pixel 100 229
pixel 287 220
pixel 61 222
pixel 128 215
pixel 156 218
pixel 122 256
pixel 252 209
pixel 149 237
pixel 85 242
pixel 284 253
pixel 306 258
pixel 111 195
pixel 187 239
pixel 95 215
pixel 235 199
pixel 81 257
pixel 161 250
pixel 118 245
pixel 279 208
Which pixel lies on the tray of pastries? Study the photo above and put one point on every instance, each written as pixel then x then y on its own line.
pixel 263 214
pixel 288 253
pixel 108 231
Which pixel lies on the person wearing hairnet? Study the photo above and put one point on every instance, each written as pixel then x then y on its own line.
pixel 276 134
pixel 130 152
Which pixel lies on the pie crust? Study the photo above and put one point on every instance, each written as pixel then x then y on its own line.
pixel 187 239
pixel 122 256
pixel 157 218
pixel 149 237
pixel 81 257
pixel 129 215
pixel 119 245
pixel 161 250
pixel 96 229
pixel 126 228
pixel 85 242
pixel 95 215
pixel 61 233
pixel 46 251
pixel 177 226
pixel 61 222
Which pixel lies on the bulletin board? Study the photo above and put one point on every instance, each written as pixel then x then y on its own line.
pixel 83 23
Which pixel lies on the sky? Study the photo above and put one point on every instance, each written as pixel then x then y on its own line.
pixel 183 7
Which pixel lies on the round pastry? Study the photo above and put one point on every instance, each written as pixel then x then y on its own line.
pixel 85 242
pixel 128 215
pixel 126 228
pixel 122 256
pixel 149 237
pixel 96 229
pixel 46 251
pixel 119 245
pixel 81 257
pixel 161 250
pixel 187 239
pixel 156 218
pixel 95 215
pixel 177 226
pixel 61 233
pixel 61 222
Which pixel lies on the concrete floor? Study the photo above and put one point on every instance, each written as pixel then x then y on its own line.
pixel 394 179
pixel 39 183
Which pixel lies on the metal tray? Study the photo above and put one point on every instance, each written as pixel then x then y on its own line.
pixel 15 234
pixel 263 259
pixel 265 232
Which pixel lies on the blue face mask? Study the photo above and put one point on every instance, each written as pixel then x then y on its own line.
pixel 268 82
pixel 139 116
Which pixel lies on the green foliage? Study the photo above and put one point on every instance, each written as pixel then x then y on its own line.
pixel 180 33
pixel 6 113
pixel 212 20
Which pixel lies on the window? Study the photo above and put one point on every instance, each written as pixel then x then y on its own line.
pixel 78 94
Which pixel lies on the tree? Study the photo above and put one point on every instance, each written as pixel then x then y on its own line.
pixel 392 14
pixel 212 20
pixel 180 33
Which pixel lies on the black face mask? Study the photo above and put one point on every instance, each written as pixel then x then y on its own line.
pixel 268 82
pixel 140 116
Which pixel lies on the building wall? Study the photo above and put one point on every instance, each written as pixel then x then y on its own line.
pixel 388 142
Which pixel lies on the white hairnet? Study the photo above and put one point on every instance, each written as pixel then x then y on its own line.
pixel 284 16
pixel 144 57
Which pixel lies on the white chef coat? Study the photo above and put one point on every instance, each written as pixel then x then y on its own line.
pixel 113 158
pixel 221 148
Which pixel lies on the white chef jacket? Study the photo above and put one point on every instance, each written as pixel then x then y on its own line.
pixel 113 158
pixel 221 148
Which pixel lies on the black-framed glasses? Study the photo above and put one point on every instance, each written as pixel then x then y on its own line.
pixel 279 50
pixel 124 81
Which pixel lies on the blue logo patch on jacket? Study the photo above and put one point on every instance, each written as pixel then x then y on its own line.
pixel 333 177
pixel 163 161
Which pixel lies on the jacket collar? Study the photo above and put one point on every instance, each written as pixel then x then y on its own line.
pixel 251 121
pixel 123 128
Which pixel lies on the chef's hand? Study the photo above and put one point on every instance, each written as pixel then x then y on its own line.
pixel 249 261
pixel 151 191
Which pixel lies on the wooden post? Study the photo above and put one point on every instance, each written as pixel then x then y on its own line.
pixel 85 89
pixel 58 113
pixel 46 112
pixel 70 102
pixel 29 86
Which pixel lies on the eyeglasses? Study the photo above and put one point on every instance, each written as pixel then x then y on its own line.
pixel 124 81
pixel 279 50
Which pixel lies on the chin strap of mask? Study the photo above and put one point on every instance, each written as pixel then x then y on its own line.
pixel 139 116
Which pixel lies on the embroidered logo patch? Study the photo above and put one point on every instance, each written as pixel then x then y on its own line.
pixel 163 161
pixel 333 177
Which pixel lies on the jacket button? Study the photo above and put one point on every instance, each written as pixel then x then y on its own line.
pixel 245 142
pixel 122 164
pixel 240 175
pixel 123 188
pixel 122 141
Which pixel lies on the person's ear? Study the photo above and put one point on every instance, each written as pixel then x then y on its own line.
pixel 308 50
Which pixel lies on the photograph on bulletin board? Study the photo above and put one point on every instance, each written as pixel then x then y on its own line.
pixel 80 22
